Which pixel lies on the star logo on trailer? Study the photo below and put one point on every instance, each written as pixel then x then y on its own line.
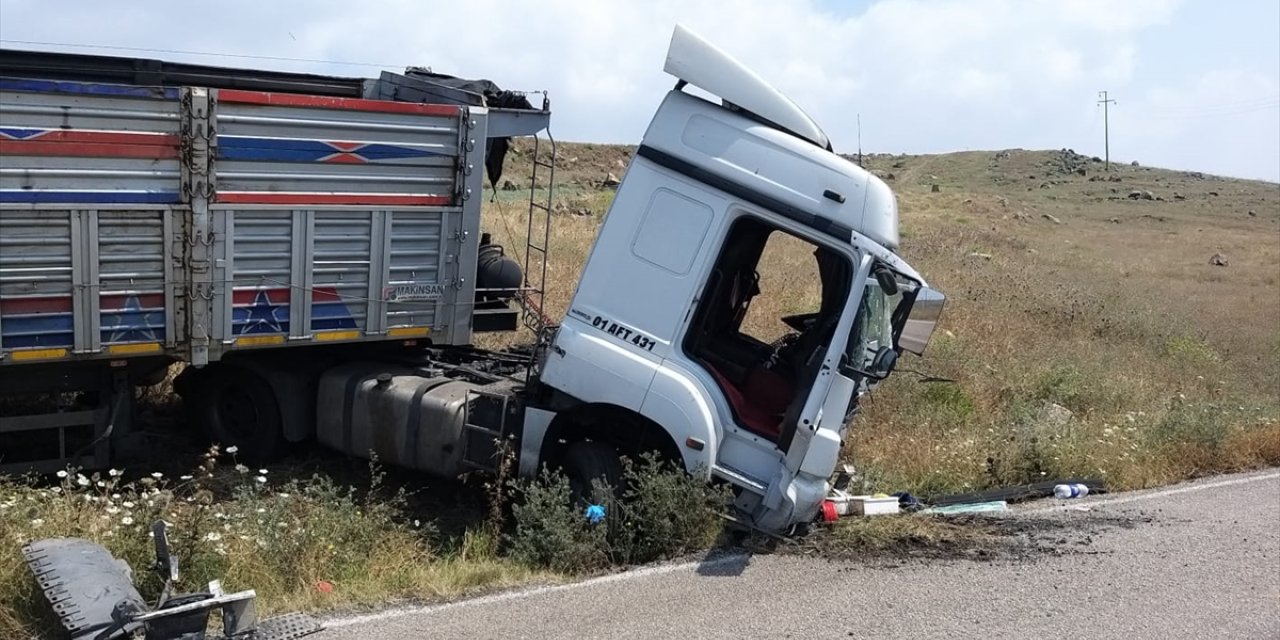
pixel 262 316
pixel 132 323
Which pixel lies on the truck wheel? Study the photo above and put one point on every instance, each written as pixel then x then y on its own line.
pixel 585 462
pixel 236 407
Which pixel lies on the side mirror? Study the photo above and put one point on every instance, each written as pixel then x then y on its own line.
pixel 923 319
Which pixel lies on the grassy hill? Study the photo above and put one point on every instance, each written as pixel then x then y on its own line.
pixel 1087 331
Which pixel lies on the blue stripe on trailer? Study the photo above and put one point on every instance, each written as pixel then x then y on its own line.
pixel 44 330
pixel 87 88
pixel 24 196
pixel 303 150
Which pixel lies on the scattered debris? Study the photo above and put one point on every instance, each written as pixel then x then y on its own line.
pixel 935 189
pixel 1156 218
pixel 1213 193
pixel 1218 260
pixel 1051 218
pixel 508 185
pixel 1003 155
pixel 1253 214
pixel 105 604
pixel 1178 196
pixel 993 506
pixel 610 180
pixel 1114 220
pixel 1004 202
pixel 621 164
pixel 978 254
pixel 1138 194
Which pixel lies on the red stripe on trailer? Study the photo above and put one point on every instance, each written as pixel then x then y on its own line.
pixel 281 296
pixel 93 144
pixel 120 301
pixel 277 296
pixel 22 306
pixel 325 294
pixel 242 197
pixel 327 102
pixel 85 150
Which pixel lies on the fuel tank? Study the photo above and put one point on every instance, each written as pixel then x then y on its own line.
pixel 408 419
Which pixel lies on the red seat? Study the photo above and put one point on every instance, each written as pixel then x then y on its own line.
pixel 759 405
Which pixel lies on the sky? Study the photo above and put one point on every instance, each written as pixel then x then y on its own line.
pixel 1196 82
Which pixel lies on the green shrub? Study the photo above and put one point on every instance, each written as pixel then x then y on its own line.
pixel 668 512
pixel 664 513
pixel 551 533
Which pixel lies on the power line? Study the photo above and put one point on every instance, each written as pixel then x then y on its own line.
pixel 198 53
pixel 1255 102
pixel 1215 112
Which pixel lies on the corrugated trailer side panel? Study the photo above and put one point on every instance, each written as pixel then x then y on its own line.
pixel 338 220
pixel 89 204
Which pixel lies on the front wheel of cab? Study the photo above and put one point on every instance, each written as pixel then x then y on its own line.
pixel 586 463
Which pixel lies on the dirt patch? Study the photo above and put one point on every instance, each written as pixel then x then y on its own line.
pixel 896 540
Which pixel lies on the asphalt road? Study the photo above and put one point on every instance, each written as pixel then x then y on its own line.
pixel 1200 560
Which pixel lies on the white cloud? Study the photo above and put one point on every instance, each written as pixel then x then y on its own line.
pixel 926 75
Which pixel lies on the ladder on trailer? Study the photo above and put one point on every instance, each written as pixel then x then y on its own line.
pixel 538 233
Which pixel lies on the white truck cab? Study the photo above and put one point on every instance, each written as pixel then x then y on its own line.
pixel 653 353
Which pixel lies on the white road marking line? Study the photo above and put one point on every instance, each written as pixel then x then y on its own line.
pixel 393 614
pixel 1160 493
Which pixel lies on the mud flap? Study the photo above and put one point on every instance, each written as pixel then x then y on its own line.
pixel 91 591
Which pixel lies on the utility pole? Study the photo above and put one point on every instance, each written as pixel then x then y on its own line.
pixel 1106 128
pixel 859 139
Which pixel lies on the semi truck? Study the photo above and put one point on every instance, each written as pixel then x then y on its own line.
pixel 311 249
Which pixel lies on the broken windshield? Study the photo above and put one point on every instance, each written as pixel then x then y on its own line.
pixel 874 327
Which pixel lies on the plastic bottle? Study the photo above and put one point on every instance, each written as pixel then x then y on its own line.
pixel 1068 491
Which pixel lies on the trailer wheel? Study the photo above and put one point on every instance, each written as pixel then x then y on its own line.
pixel 586 461
pixel 236 407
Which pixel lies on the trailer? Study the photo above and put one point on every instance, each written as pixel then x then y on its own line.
pixel 310 248
pixel 146 225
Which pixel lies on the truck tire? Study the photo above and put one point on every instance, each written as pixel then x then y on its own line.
pixel 235 407
pixel 586 461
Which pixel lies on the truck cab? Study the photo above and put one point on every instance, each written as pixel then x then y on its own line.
pixel 662 342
